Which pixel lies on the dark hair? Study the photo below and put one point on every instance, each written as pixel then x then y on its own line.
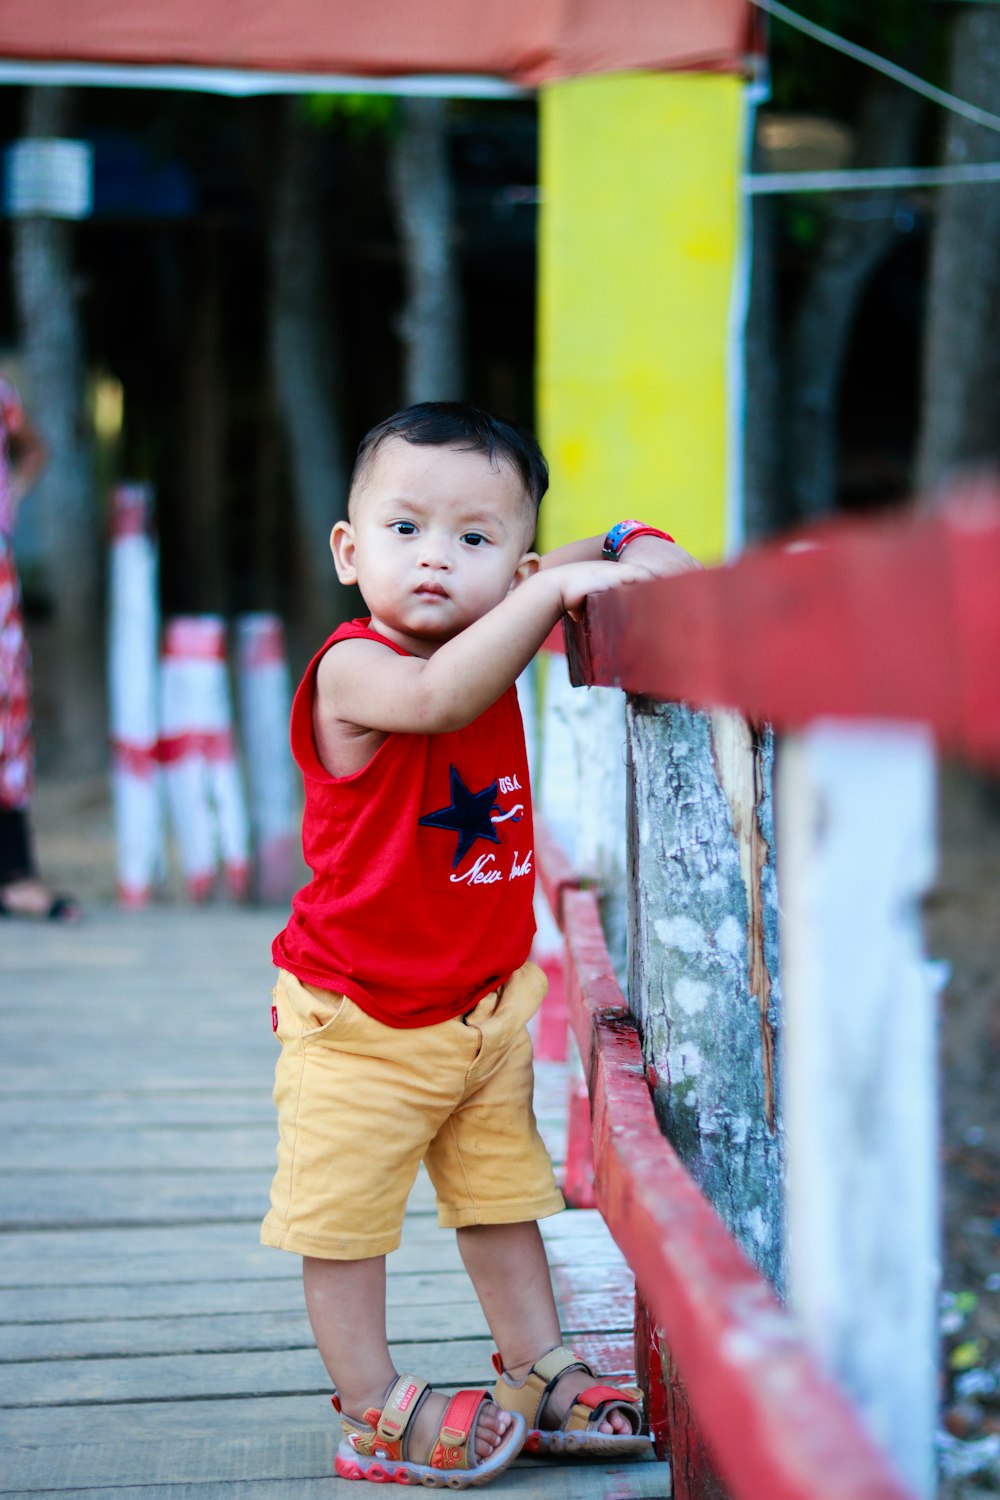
pixel 459 424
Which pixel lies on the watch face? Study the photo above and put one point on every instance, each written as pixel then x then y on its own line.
pixel 617 537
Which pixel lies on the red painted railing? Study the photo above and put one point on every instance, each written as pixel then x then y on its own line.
pixel 895 620
pixel 774 1424
pixel 890 621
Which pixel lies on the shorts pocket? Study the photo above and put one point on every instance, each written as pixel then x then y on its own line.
pixel 304 1010
pixel 326 1010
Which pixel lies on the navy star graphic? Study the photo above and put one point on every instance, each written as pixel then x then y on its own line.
pixel 470 816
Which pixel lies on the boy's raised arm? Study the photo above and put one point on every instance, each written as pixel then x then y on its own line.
pixel 657 556
pixel 362 685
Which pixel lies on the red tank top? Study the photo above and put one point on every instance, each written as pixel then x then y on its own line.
pixel 422 864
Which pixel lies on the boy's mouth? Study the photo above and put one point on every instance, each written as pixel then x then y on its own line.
pixel 432 590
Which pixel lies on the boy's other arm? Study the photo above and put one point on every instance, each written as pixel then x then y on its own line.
pixel 360 686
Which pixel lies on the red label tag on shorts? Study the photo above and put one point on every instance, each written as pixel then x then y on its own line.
pixel 274 1018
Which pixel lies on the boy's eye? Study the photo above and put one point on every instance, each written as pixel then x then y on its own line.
pixel 404 528
pixel 474 538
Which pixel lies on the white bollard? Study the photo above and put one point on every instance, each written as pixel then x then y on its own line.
pixel 265 701
pixel 855 817
pixel 133 626
pixel 198 754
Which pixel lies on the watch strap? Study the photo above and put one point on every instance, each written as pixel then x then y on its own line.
pixel 624 532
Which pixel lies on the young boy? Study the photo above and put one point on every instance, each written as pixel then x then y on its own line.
pixel 405 985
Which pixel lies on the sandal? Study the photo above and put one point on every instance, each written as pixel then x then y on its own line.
pixel 59 909
pixel 577 1433
pixel 376 1448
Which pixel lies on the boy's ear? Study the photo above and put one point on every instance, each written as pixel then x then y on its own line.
pixel 530 563
pixel 342 547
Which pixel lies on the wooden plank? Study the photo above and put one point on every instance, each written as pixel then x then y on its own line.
pixel 214 1333
pixel 588 1298
pixel 125 1423
pixel 112 1110
pixel 523 1481
pixel 66 1302
pixel 891 619
pixel 170 1253
pixel 55 1201
pixel 278 1370
pixel 421 1314
pixel 126 1426
pixel 142 1148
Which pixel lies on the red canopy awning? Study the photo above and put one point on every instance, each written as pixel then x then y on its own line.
pixel 523 41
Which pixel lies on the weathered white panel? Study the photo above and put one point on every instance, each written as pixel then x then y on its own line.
pixel 856 819
pixel 582 789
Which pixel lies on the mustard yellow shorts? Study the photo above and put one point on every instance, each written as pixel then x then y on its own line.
pixel 360 1105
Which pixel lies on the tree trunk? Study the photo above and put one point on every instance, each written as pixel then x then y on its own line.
pixel 861 231
pixel 960 417
pixel 202 455
pixel 422 195
pixel 305 363
pixel 703 957
pixel 52 341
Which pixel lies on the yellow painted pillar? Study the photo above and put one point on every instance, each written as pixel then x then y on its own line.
pixel 639 295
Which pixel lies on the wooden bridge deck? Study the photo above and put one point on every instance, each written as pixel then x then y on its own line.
pixel 149 1346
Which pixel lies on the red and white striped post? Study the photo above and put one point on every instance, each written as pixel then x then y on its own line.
pixel 265 697
pixel 133 627
pixel 198 754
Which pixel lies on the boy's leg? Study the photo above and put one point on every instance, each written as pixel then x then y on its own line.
pixel 345 1300
pixel 510 1272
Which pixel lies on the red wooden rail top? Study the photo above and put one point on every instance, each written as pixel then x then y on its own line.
pixel 776 1426
pixel 891 620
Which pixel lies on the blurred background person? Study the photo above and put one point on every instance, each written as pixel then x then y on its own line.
pixel 22 892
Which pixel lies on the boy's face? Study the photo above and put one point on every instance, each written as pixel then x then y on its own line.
pixel 436 538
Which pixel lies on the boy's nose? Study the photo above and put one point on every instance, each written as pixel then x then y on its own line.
pixel 435 553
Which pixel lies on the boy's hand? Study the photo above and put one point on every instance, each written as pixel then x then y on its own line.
pixel 658 558
pixel 578 579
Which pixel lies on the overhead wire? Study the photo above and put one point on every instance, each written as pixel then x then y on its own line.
pixel 881 64
pixel 862 179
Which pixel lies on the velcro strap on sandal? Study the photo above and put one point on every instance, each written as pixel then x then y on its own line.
pixel 450 1450
pixel 595 1394
pixel 554 1365
pixel 397 1413
pixel 595 1403
pixel 530 1395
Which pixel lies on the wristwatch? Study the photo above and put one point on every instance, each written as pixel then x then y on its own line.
pixel 624 532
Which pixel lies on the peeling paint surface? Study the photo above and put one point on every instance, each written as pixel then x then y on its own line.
pixel 692 995
pixel 681 933
pixel 730 937
pixel 703 953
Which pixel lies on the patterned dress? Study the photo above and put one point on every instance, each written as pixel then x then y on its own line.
pixel 16 745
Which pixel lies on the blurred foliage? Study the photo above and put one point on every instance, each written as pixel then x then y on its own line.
pixel 966 1356
pixel 358 115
